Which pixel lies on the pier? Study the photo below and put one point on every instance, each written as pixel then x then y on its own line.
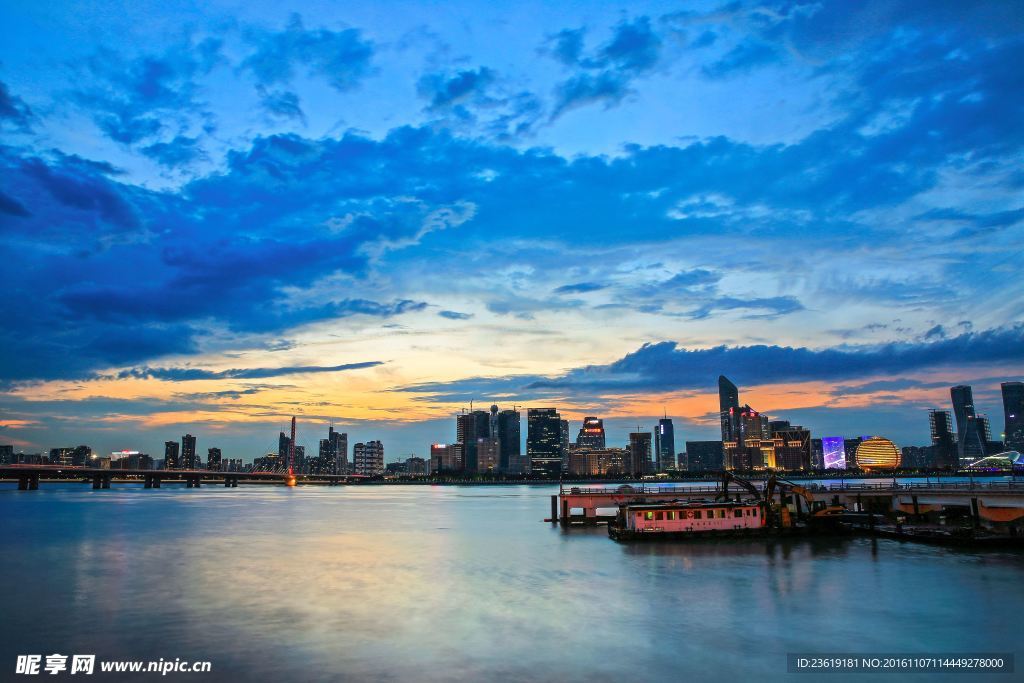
pixel 989 504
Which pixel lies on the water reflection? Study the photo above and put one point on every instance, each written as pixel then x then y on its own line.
pixel 444 583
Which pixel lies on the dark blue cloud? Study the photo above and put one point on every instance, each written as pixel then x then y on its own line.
pixel 343 58
pixel 12 206
pixel 743 58
pixel 580 288
pixel 566 46
pixel 135 100
pixel 190 374
pixel 242 250
pixel 667 367
pixel 281 103
pixel 14 111
pixel 604 76
pixel 177 152
pixel 444 91
pixel 455 315
pixel 477 100
pixel 760 307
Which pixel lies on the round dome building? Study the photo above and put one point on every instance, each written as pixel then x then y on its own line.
pixel 877 453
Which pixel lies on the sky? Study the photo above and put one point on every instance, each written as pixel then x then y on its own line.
pixel 217 215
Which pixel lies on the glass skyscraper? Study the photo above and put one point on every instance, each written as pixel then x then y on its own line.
pixel 1013 415
pixel 665 444
pixel 970 440
pixel 944 448
pixel 544 441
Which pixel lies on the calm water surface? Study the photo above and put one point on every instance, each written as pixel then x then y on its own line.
pixel 466 584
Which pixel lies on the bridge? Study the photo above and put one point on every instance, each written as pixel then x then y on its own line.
pixel 29 476
pixel 989 503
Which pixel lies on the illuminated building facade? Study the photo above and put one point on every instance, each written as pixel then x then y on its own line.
pixel 591 435
pixel 833 452
pixel 792 445
pixel 544 441
pixel 188 452
pixel 213 459
pixel 878 453
pixel 589 462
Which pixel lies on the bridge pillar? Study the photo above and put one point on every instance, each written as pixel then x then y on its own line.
pixel 156 482
pixel 23 482
pixel 554 508
pixel 97 481
pixel 917 508
pixel 33 481
pixel 106 482
pixel 565 511
pixel 147 482
pixel 975 513
pixel 199 481
pixel 227 482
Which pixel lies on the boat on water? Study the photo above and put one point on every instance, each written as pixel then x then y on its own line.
pixel 688 519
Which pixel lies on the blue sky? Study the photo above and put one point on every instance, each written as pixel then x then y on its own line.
pixel 214 216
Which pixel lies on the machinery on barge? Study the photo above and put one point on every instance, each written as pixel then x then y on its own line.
pixel 757 514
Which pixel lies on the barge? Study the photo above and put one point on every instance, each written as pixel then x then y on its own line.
pixel 688 519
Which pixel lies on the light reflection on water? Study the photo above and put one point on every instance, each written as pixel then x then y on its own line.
pixel 447 583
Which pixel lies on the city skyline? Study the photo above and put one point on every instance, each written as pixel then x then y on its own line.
pixel 214 220
pixel 511 441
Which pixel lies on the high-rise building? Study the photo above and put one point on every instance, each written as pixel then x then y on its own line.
pixel 7 454
pixel 213 459
pixel 591 435
pixel 850 447
pixel 488 455
pixel 469 429
pixel 188 452
pixel 665 445
pixel 704 456
pixel 171 460
pixel 283 443
pixel 1013 415
pixel 970 441
pixel 368 458
pixel 917 457
pixel 588 462
pixel 80 456
pixel 332 456
pixel 446 458
pixel 640 461
pixel 544 441
pixel 563 443
pixel 509 445
pixel 61 456
pixel 944 443
pixel 792 447
pixel 728 404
